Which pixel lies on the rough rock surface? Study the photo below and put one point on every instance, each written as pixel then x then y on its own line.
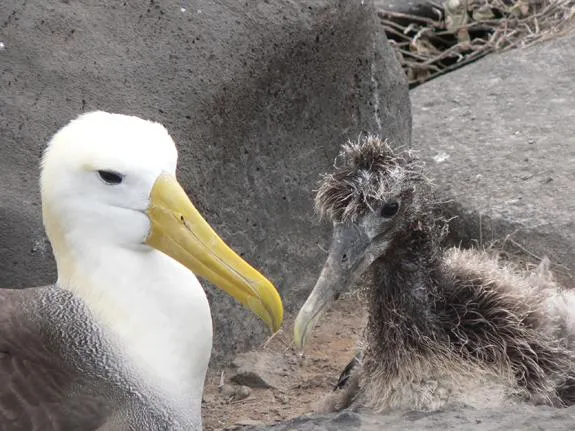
pixel 262 370
pixel 412 7
pixel 258 95
pixel 524 418
pixel 499 139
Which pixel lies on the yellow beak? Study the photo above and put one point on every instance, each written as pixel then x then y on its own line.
pixel 179 231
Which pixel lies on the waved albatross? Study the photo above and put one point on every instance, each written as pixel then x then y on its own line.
pixel 122 340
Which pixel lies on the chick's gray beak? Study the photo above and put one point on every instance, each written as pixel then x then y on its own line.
pixel 348 246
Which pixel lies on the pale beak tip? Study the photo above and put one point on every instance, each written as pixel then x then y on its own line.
pixel 272 311
pixel 277 315
pixel 300 334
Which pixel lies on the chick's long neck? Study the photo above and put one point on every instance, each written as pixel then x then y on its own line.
pixel 401 302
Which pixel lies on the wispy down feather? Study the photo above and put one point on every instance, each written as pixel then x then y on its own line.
pixel 366 172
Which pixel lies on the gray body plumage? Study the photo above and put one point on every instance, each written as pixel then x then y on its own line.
pixel 61 371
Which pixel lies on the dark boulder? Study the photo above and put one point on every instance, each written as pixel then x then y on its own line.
pixel 258 95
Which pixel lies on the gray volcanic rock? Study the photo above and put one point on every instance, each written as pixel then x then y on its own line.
pixel 499 139
pixel 258 95
pixel 512 418
pixel 262 370
pixel 412 7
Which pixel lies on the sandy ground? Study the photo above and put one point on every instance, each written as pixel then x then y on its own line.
pixel 311 376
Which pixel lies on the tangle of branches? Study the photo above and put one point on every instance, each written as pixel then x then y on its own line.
pixel 456 32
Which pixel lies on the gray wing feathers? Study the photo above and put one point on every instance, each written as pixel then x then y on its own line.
pixel 39 390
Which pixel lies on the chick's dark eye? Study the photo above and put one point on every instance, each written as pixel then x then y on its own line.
pixel 110 177
pixel 389 209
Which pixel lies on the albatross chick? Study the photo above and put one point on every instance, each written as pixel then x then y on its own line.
pixel 444 325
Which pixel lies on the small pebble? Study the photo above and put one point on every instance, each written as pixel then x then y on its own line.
pixel 227 390
pixel 209 399
pixel 242 393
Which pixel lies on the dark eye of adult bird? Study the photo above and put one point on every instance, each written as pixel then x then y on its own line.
pixel 389 209
pixel 110 177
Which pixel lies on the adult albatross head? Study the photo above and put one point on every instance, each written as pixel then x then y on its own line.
pixel 125 237
pixel 112 177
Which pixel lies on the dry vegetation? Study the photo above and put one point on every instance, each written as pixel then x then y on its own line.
pixel 447 35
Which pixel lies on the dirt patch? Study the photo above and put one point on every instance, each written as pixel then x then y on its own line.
pixel 331 348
